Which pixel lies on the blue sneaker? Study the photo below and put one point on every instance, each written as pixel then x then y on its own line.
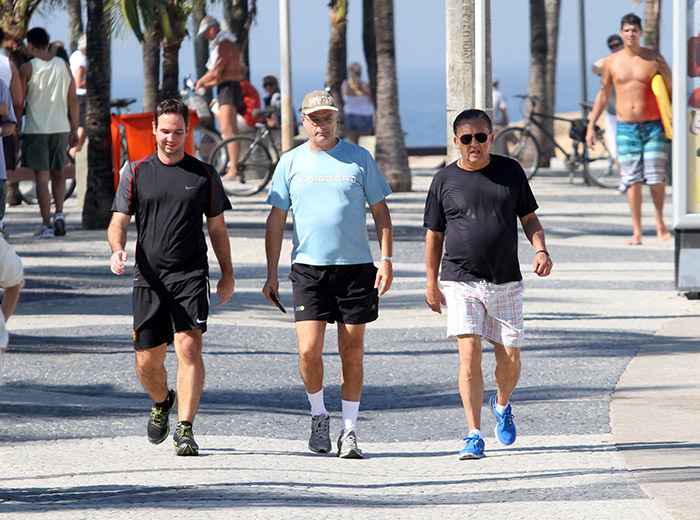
pixel 505 427
pixel 473 448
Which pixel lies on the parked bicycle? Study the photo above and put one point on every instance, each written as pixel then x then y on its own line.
pixel 257 159
pixel 519 143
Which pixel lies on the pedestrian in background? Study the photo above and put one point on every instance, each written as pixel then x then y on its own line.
pixel 48 129
pixel 472 208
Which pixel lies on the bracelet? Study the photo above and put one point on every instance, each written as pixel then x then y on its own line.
pixel 385 259
pixel 542 251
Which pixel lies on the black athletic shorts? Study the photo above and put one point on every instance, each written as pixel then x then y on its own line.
pixel 229 93
pixel 160 313
pixel 8 146
pixel 342 293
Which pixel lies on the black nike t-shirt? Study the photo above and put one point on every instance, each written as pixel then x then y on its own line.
pixel 478 212
pixel 168 202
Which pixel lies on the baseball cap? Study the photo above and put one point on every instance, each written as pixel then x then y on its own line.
pixel 207 21
pixel 318 100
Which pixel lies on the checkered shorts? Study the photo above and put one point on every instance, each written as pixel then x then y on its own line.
pixel 493 311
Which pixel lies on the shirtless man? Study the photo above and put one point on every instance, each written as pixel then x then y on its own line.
pixel 641 143
pixel 223 71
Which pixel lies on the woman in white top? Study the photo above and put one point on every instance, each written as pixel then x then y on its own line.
pixel 359 109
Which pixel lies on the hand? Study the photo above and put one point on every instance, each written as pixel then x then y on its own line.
pixel 72 138
pixel 272 285
pixel 590 136
pixel 542 265
pixel 224 289
pixel 117 260
pixel 384 278
pixel 434 297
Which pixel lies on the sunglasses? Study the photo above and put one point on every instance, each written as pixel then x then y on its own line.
pixel 615 46
pixel 480 138
pixel 268 84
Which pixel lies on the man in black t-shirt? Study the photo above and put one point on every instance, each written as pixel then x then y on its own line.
pixel 168 192
pixel 472 208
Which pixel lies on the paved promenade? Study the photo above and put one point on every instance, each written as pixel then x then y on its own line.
pixel 607 408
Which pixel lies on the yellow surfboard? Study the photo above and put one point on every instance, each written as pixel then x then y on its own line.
pixel 658 87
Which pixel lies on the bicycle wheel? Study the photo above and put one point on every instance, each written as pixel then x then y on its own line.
pixel 254 166
pixel 598 167
pixel 204 142
pixel 518 143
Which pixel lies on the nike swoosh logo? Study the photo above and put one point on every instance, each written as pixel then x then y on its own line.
pixel 200 321
pixel 190 187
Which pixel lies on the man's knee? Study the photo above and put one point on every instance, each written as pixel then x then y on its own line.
pixel 188 346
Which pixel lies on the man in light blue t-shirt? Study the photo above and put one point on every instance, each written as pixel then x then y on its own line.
pixel 326 182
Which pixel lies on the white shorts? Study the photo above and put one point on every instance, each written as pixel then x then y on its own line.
pixel 492 311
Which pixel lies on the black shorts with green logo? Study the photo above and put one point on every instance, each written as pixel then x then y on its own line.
pixel 342 293
pixel 160 313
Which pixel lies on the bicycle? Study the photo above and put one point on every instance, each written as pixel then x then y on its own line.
pixel 257 159
pixel 518 143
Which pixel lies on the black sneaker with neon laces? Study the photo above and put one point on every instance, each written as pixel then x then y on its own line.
pixel 158 424
pixel 183 440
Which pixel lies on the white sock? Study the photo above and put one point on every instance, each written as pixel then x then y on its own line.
pixel 2 223
pixel 500 409
pixel 350 411
pixel 316 401
pixel 475 432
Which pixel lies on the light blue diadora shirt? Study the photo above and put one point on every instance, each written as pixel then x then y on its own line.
pixel 327 192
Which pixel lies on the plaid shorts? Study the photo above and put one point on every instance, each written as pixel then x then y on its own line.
pixel 492 311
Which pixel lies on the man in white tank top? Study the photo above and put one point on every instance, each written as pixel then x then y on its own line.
pixel 48 131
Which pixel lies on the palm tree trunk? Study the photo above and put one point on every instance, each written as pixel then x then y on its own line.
pixel 238 17
pixel 369 41
pixel 390 152
pixel 538 70
pixel 336 68
pixel 151 68
pixel 201 49
pixel 552 8
pixel 100 182
pixel 75 23
pixel 652 22
pixel 171 71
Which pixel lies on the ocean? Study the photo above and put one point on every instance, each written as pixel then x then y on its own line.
pixel 422 96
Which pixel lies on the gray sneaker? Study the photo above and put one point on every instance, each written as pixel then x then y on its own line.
pixel 320 440
pixel 347 446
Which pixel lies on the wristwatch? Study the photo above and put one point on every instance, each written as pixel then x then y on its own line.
pixel 385 259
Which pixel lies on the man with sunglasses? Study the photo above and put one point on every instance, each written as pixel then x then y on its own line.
pixel 472 208
pixel 614 44
pixel 641 143
pixel 327 182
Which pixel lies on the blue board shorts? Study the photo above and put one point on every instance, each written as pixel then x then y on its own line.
pixel 641 150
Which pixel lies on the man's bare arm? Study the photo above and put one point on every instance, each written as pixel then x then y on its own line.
pixel 665 72
pixel 433 254
pixel 601 101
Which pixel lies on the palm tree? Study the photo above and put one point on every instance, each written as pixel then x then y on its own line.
pixel 538 84
pixel 652 23
pixel 239 16
pixel 75 23
pixel 100 182
pixel 390 151
pixel 156 22
pixel 336 67
pixel 369 41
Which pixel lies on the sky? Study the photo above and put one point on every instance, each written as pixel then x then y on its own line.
pixel 420 44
